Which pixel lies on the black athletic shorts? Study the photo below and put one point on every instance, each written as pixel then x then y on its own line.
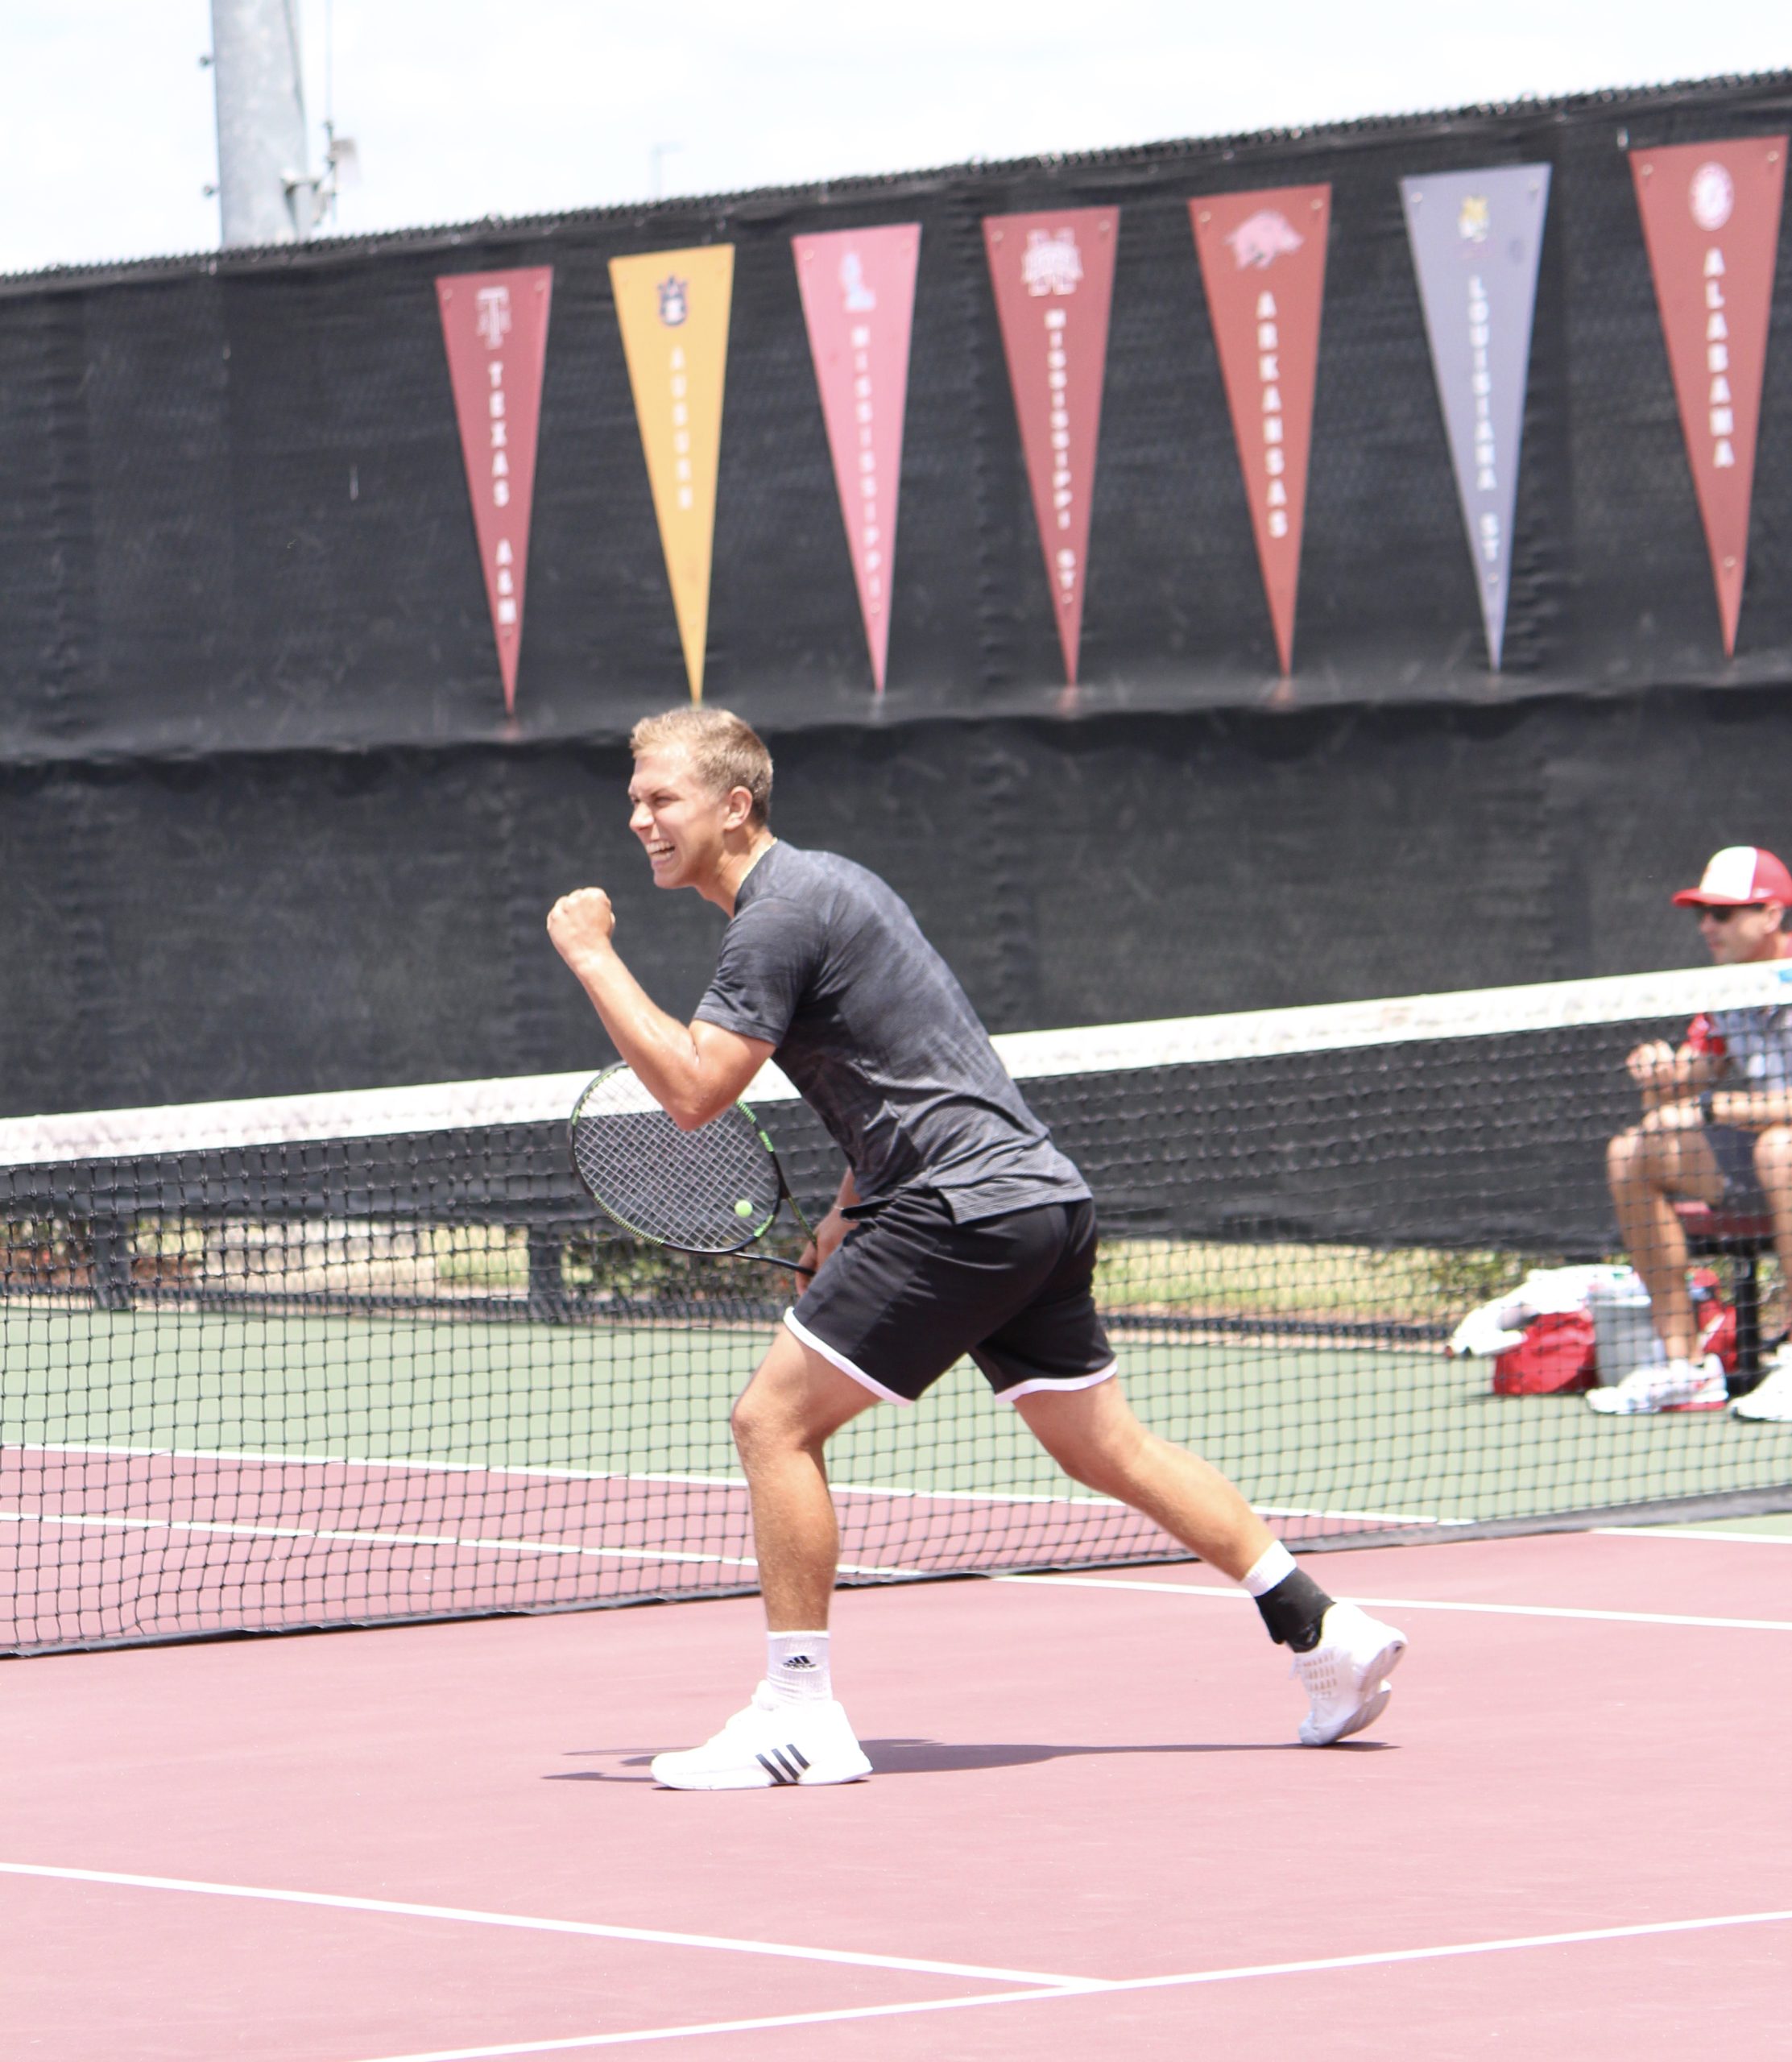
pixel 908 1290
pixel 1734 1151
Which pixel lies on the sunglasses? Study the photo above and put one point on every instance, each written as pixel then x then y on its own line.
pixel 1721 913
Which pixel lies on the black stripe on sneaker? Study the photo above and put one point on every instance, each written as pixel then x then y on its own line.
pixel 778 1771
pixel 797 1755
pixel 791 1774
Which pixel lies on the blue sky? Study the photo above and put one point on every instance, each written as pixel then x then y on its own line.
pixel 465 107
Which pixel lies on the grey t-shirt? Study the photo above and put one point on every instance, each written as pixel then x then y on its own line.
pixel 824 962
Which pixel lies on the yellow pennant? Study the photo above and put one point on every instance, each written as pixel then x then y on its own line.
pixel 673 309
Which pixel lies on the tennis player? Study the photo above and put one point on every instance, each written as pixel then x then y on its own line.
pixel 960 1228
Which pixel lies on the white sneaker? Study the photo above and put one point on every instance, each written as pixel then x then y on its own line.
pixel 1770 1402
pixel 769 1743
pixel 1664 1386
pixel 1346 1674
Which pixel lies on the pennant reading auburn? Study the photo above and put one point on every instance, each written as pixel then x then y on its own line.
pixel 859 302
pixel 495 325
pixel 1263 263
pixel 672 306
pixel 1054 276
pixel 1712 221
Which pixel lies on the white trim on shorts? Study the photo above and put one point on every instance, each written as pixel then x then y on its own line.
pixel 1057 1382
pixel 833 1355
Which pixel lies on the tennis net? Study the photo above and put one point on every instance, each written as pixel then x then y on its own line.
pixel 358 1358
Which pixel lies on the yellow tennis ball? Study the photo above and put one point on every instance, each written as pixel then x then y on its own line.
pixel 744 1207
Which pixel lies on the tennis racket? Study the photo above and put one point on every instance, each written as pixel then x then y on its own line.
pixel 717 1189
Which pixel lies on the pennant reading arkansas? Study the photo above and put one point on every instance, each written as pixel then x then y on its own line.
pixel 1054 276
pixel 495 325
pixel 1476 237
pixel 1711 220
pixel 858 286
pixel 672 306
pixel 1263 263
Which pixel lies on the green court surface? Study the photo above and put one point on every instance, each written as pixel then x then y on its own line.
pixel 1347 1433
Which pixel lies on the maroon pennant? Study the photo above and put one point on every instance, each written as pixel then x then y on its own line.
pixel 1054 276
pixel 495 327
pixel 1263 263
pixel 1711 219
pixel 858 286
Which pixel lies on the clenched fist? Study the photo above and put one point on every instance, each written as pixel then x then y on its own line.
pixel 580 924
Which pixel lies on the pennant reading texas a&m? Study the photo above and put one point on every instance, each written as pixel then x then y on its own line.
pixel 673 309
pixel 1054 276
pixel 1476 237
pixel 858 301
pixel 495 327
pixel 1711 219
pixel 1263 263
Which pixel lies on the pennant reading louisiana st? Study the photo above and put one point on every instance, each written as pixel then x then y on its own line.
pixel 1476 237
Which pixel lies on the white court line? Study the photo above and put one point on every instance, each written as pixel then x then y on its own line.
pixel 1421 1603
pixel 653 1936
pixel 734 1482
pixel 453 1541
pixel 474 1544
pixel 1691 1532
pixel 1194 1978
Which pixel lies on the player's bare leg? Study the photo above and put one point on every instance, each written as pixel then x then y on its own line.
pixel 1647 1168
pixel 1095 1438
pixel 794 1405
pixel 1342 1656
pixel 793 1731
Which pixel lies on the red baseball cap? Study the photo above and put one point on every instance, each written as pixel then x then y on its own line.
pixel 1738 875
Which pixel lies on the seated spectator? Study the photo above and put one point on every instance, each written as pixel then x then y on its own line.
pixel 1716 1128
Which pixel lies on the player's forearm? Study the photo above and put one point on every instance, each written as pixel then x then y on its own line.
pixel 660 1049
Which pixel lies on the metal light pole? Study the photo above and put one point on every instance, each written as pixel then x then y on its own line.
pixel 267 191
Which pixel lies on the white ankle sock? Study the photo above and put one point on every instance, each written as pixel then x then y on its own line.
pixel 1275 1564
pixel 797 1666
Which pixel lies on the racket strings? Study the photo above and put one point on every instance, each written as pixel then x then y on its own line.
pixel 714 1189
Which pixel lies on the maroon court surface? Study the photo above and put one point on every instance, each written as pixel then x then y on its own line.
pixel 1570 1836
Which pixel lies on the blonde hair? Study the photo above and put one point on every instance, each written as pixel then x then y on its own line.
pixel 725 751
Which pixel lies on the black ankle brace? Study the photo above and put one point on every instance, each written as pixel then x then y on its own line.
pixel 1293 1610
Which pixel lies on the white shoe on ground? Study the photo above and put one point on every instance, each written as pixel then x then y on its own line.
pixel 770 1744
pixel 1664 1386
pixel 1770 1402
pixel 1345 1675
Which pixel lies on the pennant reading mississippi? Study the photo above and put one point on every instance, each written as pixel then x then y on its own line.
pixel 1263 263
pixel 1476 237
pixel 1054 276
pixel 495 325
pixel 858 286
pixel 1712 221
pixel 672 306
